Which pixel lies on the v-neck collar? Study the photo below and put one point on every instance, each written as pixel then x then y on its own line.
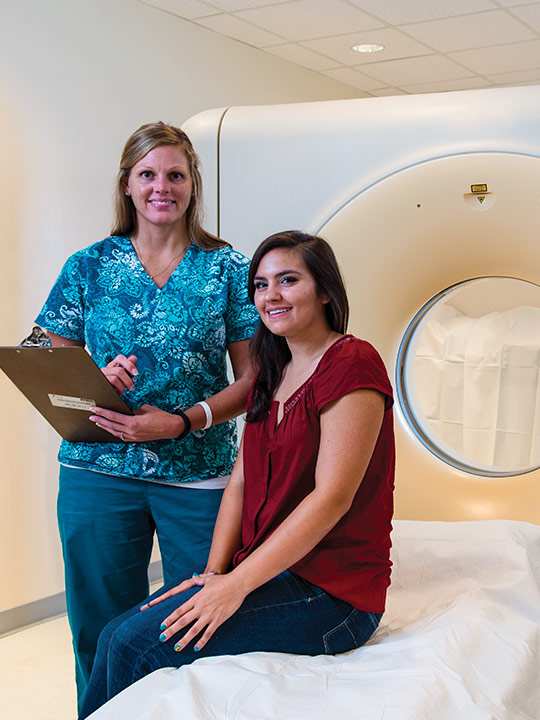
pixel 149 277
pixel 291 401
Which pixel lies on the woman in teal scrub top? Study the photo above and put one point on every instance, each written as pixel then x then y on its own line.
pixel 158 305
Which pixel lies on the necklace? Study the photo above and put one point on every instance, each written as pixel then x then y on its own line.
pixel 155 275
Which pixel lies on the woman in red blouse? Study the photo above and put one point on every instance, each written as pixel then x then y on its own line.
pixel 300 554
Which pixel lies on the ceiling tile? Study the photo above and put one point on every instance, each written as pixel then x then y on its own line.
pixel 512 3
pixel 485 42
pixel 518 84
pixel 517 56
pixel 189 9
pixel 446 85
pixel 430 68
pixel 471 31
pixel 388 92
pixel 396 45
pixel 354 78
pixel 405 11
pixel 306 19
pixel 302 56
pixel 233 5
pixel 235 28
pixel 359 92
pixel 529 14
pixel 518 77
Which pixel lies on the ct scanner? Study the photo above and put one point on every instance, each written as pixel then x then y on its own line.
pixel 416 194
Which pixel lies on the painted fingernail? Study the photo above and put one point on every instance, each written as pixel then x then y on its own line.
pixel 195 575
pixel 162 637
pixel 162 626
pixel 177 648
pixel 196 648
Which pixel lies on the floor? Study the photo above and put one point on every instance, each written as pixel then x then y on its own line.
pixel 37 676
pixel 36 673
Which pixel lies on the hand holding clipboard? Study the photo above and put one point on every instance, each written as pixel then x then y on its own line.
pixel 63 384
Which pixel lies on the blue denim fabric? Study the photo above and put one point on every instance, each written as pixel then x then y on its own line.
pixel 107 526
pixel 287 614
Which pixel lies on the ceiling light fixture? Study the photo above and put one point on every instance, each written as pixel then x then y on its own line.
pixel 367 48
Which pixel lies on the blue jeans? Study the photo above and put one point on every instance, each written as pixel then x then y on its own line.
pixel 107 526
pixel 287 614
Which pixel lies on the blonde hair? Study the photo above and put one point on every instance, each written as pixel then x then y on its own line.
pixel 139 144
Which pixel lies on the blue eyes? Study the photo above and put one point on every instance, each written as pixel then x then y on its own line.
pixel 148 175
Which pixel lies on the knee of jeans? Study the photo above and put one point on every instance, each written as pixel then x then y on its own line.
pixel 130 636
pixel 107 633
pixel 120 657
pixel 352 633
pixel 120 629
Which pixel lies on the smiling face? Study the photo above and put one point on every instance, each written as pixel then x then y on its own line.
pixel 160 186
pixel 287 297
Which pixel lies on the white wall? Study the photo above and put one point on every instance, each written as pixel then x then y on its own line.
pixel 76 78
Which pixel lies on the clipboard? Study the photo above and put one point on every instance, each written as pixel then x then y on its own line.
pixel 62 383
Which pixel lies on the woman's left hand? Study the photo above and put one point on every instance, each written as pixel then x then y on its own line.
pixel 146 424
pixel 219 598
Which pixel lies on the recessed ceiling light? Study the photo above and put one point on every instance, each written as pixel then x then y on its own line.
pixel 367 48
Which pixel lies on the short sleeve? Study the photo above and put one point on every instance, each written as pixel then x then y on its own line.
pixel 63 312
pixel 241 316
pixel 351 364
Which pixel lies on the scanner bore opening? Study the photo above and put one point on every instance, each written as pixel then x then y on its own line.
pixel 462 307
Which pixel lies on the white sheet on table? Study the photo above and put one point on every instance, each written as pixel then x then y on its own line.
pixel 460 640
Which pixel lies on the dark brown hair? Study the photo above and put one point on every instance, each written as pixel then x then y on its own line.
pixel 270 353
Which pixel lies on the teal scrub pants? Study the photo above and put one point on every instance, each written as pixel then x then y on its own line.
pixel 107 526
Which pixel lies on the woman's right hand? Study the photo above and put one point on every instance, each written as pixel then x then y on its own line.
pixel 205 611
pixel 195 580
pixel 120 372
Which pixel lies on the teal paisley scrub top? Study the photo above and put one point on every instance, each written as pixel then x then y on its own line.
pixel 179 334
